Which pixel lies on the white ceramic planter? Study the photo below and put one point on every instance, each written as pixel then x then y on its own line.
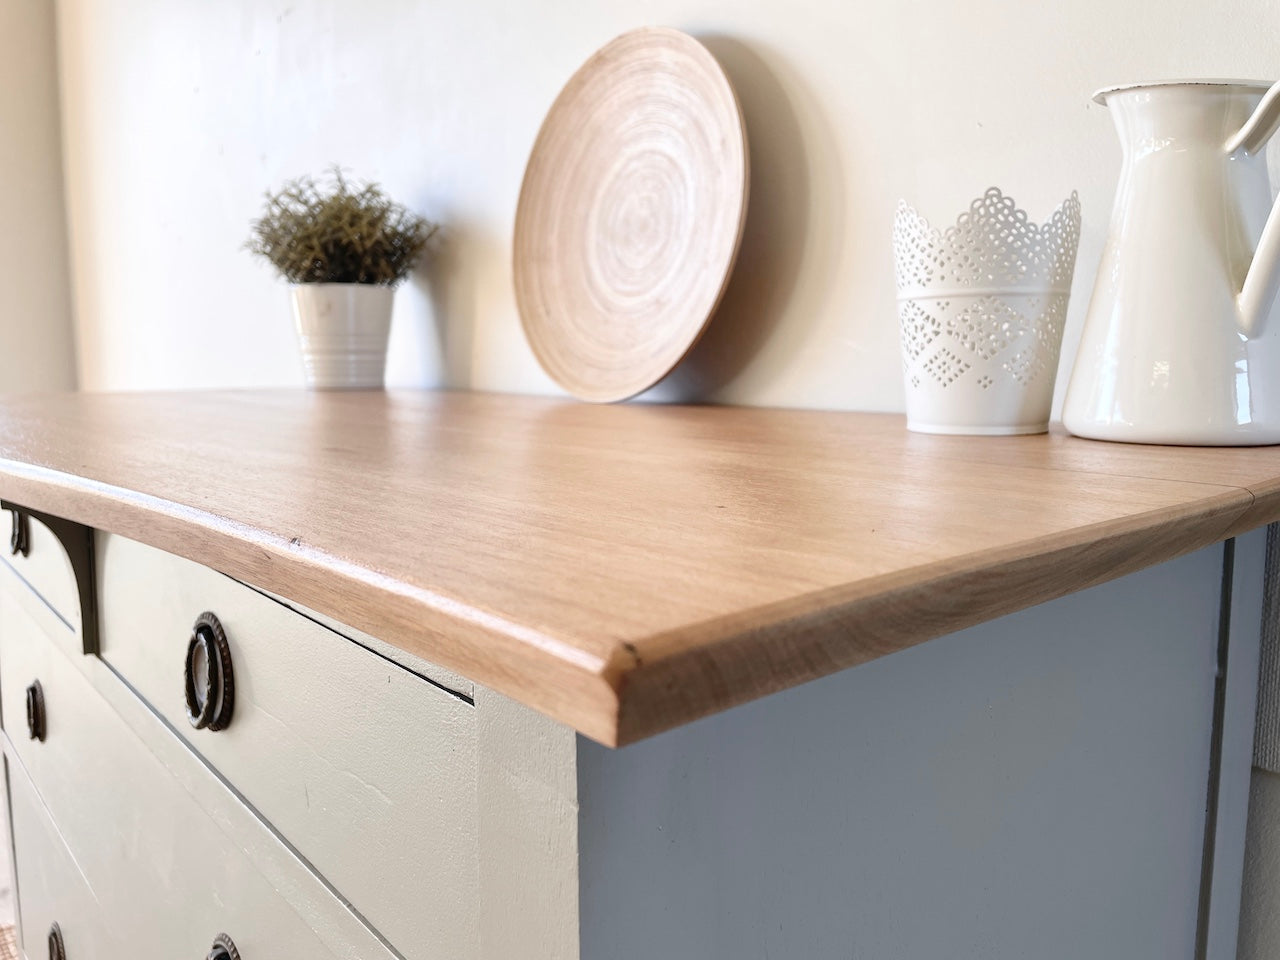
pixel 982 307
pixel 343 330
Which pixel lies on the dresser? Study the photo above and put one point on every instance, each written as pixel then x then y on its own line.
pixel 446 675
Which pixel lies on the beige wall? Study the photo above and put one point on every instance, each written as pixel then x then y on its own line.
pixel 178 113
pixel 35 307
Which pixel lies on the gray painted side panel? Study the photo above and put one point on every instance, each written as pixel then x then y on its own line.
pixel 1034 787
pixel 1237 745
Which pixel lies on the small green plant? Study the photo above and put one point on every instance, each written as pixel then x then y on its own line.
pixel 338 231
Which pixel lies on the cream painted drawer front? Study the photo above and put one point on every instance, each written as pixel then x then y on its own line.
pixel 46 572
pixel 365 768
pixel 166 873
pixel 52 889
pixel 29 655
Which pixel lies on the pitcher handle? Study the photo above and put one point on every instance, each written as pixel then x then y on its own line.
pixel 1262 282
pixel 1262 123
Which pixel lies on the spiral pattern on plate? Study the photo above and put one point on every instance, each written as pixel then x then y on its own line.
pixel 630 214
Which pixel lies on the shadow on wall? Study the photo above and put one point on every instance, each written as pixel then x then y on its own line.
pixel 447 282
pixel 782 228
pixel 436 278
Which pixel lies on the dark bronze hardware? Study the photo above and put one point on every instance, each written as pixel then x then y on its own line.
pixel 57 951
pixel 20 533
pixel 223 949
pixel 35 711
pixel 210 683
pixel 77 541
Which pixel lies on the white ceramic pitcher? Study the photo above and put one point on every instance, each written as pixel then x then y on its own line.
pixel 1181 342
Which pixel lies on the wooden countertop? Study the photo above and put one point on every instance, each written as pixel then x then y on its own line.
pixel 623 569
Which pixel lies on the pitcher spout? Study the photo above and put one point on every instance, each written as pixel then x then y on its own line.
pixel 1262 283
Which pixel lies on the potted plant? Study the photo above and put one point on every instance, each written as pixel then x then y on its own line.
pixel 343 246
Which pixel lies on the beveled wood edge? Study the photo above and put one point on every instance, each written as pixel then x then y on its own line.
pixel 567 684
pixel 1264 508
pixel 639 691
pixel 724 663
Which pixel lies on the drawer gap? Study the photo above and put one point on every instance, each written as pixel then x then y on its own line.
pixel 465 698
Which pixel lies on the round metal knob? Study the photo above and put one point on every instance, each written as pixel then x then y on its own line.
pixel 57 951
pixel 35 711
pixel 223 949
pixel 210 683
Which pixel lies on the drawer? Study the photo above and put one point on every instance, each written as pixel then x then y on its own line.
pixel 46 573
pixel 365 768
pixel 50 885
pixel 168 875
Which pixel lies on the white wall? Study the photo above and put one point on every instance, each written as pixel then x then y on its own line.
pixel 35 305
pixel 1259 917
pixel 178 113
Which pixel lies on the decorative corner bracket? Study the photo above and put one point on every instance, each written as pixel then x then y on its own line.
pixel 20 538
pixel 77 542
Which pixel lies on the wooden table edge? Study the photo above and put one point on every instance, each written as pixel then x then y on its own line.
pixel 713 666
pixel 646 687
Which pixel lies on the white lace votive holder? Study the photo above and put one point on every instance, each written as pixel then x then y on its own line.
pixel 981 308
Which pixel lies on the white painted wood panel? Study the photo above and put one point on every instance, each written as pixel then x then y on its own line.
pixel 46 571
pixel 167 875
pixel 53 890
pixel 367 769
pixel 277 862
pixel 432 671
pixel 1033 787
pixel 528 797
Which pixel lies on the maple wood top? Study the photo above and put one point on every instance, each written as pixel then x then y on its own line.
pixel 629 568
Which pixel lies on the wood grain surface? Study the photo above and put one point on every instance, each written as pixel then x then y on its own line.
pixel 630 214
pixel 622 569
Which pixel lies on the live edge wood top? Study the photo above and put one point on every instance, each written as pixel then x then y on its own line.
pixel 623 569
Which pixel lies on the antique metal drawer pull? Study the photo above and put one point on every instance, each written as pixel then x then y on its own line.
pixel 57 951
pixel 210 682
pixel 35 711
pixel 223 949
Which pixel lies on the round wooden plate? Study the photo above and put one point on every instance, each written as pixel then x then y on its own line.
pixel 630 214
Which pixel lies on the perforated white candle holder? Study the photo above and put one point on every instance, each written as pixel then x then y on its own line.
pixel 982 307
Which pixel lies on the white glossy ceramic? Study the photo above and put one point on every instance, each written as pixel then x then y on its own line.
pixel 343 330
pixel 981 308
pixel 1181 342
